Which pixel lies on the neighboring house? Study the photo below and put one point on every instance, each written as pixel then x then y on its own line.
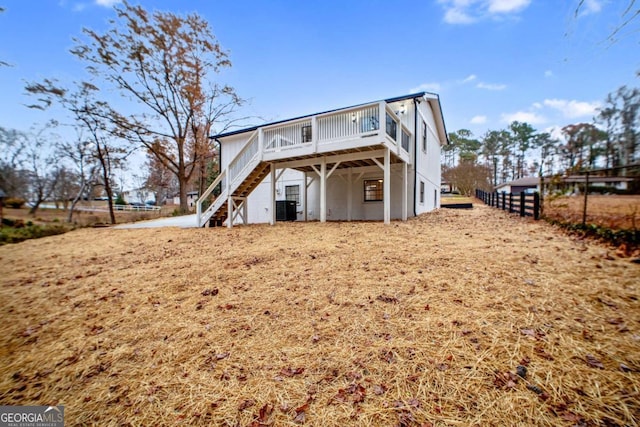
pixel 138 195
pixel 614 182
pixel 527 184
pixel 531 184
pixel 375 161
pixel 192 198
pixel 447 187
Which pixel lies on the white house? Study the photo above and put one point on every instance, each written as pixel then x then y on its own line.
pixel 192 197
pixel 374 161
pixel 138 195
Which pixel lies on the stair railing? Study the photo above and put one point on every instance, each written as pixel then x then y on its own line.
pixel 234 170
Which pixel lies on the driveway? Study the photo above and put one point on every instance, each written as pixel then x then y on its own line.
pixel 184 221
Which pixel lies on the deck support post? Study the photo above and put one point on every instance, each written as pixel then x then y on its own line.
pixel 229 211
pixel 272 198
pixel 323 190
pixel 229 201
pixel 405 188
pixel 245 211
pixel 350 195
pixel 304 198
pixel 386 190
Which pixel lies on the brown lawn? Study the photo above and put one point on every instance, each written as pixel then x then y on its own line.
pixel 614 211
pixel 420 323
pixel 83 218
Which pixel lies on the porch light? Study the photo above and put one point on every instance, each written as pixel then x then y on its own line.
pixel 401 110
pixel 353 117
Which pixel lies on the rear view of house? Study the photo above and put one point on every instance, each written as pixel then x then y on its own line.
pixel 374 161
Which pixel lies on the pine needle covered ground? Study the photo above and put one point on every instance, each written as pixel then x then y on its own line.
pixel 452 318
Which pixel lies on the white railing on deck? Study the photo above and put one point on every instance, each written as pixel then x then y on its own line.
pixel 349 123
pixel 244 157
pixel 287 136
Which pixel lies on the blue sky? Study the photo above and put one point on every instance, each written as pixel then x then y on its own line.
pixel 491 61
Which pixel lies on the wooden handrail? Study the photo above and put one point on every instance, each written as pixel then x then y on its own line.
pixel 206 194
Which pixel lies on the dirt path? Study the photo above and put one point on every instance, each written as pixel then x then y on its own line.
pixel 416 323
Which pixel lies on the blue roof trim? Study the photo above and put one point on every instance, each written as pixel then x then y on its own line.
pixel 389 100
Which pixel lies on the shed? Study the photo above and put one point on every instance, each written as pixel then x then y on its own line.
pixel 521 185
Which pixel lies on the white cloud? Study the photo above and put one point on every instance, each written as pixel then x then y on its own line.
pixel 457 16
pixel 107 3
pixel 507 6
pixel 478 120
pixel 470 11
pixel 491 86
pixel 427 87
pixel 469 78
pixel 79 7
pixel 548 73
pixel 537 105
pixel 573 109
pixel 524 116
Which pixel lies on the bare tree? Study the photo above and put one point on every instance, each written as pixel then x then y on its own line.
pixel 159 179
pixel 82 156
pixel 42 168
pixel 164 62
pixel 93 116
pixel 468 176
pixel 13 176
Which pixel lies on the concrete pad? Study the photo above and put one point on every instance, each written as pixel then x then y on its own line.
pixel 184 221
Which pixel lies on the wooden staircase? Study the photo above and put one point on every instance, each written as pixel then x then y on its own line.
pixel 253 179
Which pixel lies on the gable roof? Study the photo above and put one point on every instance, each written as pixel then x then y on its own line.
pixel 432 98
pixel 527 181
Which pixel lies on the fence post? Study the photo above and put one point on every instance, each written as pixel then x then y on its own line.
pixel 586 194
pixel 510 202
pixel 536 206
pixel 504 196
pixel 522 203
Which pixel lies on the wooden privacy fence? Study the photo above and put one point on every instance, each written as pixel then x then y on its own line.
pixel 523 203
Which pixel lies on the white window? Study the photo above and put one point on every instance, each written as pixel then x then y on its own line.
pixel 392 127
pixel 373 190
pixel 292 192
pixel 424 136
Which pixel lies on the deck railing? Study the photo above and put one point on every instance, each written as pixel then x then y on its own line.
pixel 348 123
pixel 295 134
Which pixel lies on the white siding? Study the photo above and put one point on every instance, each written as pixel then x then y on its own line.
pixel 428 163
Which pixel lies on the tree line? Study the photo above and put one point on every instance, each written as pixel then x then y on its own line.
pixel 161 68
pixel 610 141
